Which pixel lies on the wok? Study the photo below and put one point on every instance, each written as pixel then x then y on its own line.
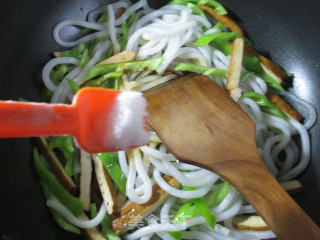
pixel 286 30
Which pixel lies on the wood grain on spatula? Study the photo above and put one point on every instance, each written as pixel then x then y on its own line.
pixel 200 124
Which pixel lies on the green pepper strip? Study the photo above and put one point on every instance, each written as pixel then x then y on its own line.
pixel 73 85
pixel 60 220
pixel 105 223
pixel 57 75
pixel 195 8
pixel 65 143
pixel 111 163
pixel 204 40
pixel 215 4
pixel 217 196
pixel 219 25
pixel 131 19
pixel 265 104
pixel 75 51
pixel 191 209
pixel 99 81
pixel 124 39
pixel 215 72
pixel 84 58
pixel 135 66
pixel 69 201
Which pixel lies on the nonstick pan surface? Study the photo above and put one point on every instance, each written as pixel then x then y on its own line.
pixel 287 30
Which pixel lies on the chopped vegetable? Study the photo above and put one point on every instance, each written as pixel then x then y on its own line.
pixel 60 220
pixel 104 81
pixel 65 144
pixel 136 66
pixel 265 104
pixel 69 201
pixel 205 212
pixel 123 42
pixel 55 165
pixel 204 40
pixel 58 74
pixel 111 163
pixel 216 197
pixel 75 52
pixel 73 85
pixel 215 4
pixel 219 26
pixel 191 67
pixel 191 209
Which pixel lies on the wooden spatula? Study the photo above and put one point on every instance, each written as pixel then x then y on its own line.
pixel 200 124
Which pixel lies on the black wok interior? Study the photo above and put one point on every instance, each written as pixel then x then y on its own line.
pixel 287 30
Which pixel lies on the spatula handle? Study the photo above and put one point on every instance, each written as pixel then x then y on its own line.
pixel 285 218
pixel 22 119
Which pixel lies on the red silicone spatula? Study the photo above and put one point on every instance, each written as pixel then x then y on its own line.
pixel 101 120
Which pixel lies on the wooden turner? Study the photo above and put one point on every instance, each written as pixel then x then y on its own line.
pixel 200 124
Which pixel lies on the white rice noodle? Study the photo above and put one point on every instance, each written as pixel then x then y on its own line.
pixel 306 108
pixel 157 82
pixel 123 162
pixel 195 235
pixel 136 166
pixel 200 192
pixel 305 152
pixel 129 11
pixel 230 212
pixel 94 26
pixel 74 220
pixel 151 16
pixel 166 227
pixel 93 15
pixel 170 53
pixel 254 110
pixel 50 65
pixel 177 7
pixel 219 60
pixel 192 53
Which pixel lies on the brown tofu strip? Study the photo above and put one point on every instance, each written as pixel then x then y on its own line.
pixel 85 179
pixel 55 165
pixel 235 66
pixel 249 223
pixel 268 64
pixel 132 211
pixel 224 19
pixel 91 233
pixel 273 68
pixel 124 56
pixel 284 106
pixel 292 187
pixel 105 185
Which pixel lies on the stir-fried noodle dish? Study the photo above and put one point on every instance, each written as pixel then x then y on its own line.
pixel 146 193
